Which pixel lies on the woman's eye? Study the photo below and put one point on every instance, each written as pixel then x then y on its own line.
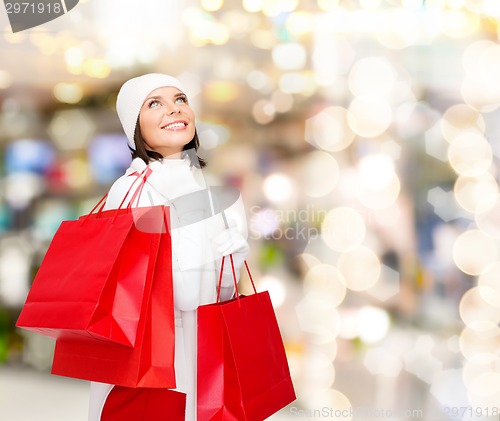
pixel 153 103
pixel 181 99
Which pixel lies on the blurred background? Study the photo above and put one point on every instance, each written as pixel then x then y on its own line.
pixel 365 138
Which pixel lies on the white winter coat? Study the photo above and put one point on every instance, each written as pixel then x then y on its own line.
pixel 195 263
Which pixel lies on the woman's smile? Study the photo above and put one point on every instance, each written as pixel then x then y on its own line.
pixel 167 121
pixel 176 125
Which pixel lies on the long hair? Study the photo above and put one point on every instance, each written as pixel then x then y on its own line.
pixel 147 155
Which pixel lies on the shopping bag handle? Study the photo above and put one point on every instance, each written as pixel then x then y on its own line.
pixel 135 197
pixel 234 277
pixel 144 174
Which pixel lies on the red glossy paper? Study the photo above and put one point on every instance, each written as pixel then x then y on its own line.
pixel 144 404
pixel 91 281
pixel 243 372
pixel 151 362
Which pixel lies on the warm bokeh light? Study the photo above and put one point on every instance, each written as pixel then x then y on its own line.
pixel 263 111
pixel 278 188
pixel 459 23
pixel 318 370
pixel 480 346
pixel 476 312
pixel 470 154
pixel 276 288
pixel 343 229
pixel 328 5
pixel 476 194
pixel 373 324
pixel 330 130
pixel 212 5
pixel 360 267
pixel 14 272
pixel 320 174
pixel 282 101
pixel 372 76
pixel 277 7
pixel 291 56
pixel 473 252
pixel 472 371
pixel 318 317
pixel 71 129
pixel 379 185
pixel 69 93
pixel 480 87
pixel 221 91
pixel 376 171
pixel 489 220
pixel 460 119
pixel 369 115
pixel 336 403
pixel 253 5
pixel 327 281
pixel 489 285
pixel 379 361
pixel 300 23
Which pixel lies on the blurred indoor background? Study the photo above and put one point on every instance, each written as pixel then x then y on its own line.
pixel 365 138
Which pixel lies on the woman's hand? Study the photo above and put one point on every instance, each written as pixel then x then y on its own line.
pixel 231 241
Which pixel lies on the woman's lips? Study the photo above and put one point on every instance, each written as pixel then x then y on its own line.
pixel 175 125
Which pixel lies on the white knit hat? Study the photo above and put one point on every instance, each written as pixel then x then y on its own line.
pixel 132 95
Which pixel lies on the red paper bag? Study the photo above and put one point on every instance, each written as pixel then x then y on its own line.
pixel 243 372
pixel 91 281
pixel 144 404
pixel 151 362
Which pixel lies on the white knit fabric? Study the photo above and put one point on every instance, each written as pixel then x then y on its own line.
pixel 194 278
pixel 132 95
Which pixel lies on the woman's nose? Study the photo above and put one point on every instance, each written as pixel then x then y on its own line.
pixel 173 108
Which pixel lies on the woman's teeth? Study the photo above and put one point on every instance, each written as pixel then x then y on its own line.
pixel 175 126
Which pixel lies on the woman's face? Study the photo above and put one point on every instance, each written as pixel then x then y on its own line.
pixel 166 121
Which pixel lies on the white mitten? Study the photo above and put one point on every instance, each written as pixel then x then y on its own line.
pixel 230 241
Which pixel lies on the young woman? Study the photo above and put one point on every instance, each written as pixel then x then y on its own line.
pixel 160 126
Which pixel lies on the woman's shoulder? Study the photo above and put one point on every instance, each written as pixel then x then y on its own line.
pixel 123 184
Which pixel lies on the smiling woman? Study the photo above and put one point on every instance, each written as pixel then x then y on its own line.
pixel 166 121
pixel 163 124
pixel 160 127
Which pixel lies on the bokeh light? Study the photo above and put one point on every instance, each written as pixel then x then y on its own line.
pixel 318 317
pixel 379 185
pixel 327 281
pixel 460 119
pixel 343 229
pixel 489 286
pixel 372 76
pixel 320 174
pixel 330 130
pixel 470 154
pixel 489 220
pixel 369 115
pixel 473 252
pixel 360 268
pixel 373 324
pixel 290 56
pixel 476 194
pixel 481 88
pixel 476 312
pixel 480 346
pixel 278 188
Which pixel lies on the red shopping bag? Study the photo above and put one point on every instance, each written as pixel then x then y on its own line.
pixel 91 281
pixel 243 372
pixel 151 362
pixel 144 404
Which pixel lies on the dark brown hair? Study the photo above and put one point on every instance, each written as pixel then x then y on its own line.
pixel 147 155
